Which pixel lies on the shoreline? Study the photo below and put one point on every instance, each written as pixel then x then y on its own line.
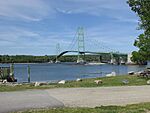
pixel 88 63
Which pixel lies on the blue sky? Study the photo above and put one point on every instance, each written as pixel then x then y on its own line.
pixel 34 27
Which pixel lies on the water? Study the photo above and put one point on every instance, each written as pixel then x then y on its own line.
pixel 68 71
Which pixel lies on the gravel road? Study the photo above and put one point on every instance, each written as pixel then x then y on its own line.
pixel 73 97
pixel 20 100
pixel 92 97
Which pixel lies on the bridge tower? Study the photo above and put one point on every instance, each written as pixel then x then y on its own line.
pixel 81 45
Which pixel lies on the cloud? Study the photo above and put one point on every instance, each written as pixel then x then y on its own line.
pixel 36 10
pixel 96 39
pixel 16 36
pixel 111 38
pixel 109 23
pixel 91 6
pixel 116 9
pixel 63 11
pixel 29 10
pixel 20 37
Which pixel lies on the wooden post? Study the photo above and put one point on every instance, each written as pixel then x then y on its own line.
pixel 28 70
pixel 12 70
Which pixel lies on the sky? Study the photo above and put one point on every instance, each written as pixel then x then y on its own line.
pixel 35 27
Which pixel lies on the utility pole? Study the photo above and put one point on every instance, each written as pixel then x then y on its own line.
pixel 81 45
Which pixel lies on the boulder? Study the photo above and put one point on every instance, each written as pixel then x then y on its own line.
pixel 125 81
pixel 98 81
pixel 37 84
pixel 138 73
pixel 43 83
pixel 78 79
pixel 112 74
pixel 4 81
pixel 11 79
pixel 40 83
pixel 62 82
pixel 148 82
pixel 131 73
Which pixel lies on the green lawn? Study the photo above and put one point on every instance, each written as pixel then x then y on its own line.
pixel 5 88
pixel 135 108
pixel 107 81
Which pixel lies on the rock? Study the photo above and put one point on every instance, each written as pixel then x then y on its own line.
pixel 148 82
pixel 40 83
pixel 37 84
pixel 98 81
pixel 111 74
pixel 4 81
pixel 10 84
pixel 125 81
pixel 108 75
pixel 62 82
pixel 131 73
pixel 17 84
pixel 43 83
pixel 138 73
pixel 78 79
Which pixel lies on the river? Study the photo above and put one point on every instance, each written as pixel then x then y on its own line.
pixel 68 71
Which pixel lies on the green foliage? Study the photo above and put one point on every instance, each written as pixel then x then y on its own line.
pixel 141 8
pixel 24 59
pixel 4 73
pixel 138 58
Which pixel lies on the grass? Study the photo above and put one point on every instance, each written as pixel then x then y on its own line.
pixel 107 81
pixel 6 88
pixel 134 108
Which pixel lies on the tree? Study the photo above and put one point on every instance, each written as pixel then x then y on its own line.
pixel 137 58
pixel 142 9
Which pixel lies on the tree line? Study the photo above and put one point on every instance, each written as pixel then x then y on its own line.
pixel 48 58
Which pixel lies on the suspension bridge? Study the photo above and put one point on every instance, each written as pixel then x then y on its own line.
pixel 80 40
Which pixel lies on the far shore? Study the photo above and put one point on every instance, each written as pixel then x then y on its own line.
pixel 90 63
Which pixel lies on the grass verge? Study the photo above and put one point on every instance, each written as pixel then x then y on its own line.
pixel 107 81
pixel 134 108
